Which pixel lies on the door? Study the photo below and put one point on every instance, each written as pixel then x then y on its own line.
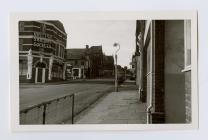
pixel 40 74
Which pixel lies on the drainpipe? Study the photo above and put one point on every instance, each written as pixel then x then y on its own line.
pixel 149 110
pixel 149 113
pixel 152 54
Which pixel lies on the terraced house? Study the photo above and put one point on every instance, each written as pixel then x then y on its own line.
pixel 42 52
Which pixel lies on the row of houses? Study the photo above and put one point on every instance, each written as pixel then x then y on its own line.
pixel 89 62
pixel 162 67
pixel 43 56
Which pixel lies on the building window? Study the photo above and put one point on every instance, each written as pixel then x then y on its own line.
pixel 59 50
pixel 62 52
pixel 75 62
pixel 41 49
pixel 187 44
pixel 43 28
pixel 20 44
pixel 22 67
pixel 21 26
pixel 82 63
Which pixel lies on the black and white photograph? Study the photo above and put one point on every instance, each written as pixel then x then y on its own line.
pixel 111 71
pixel 103 70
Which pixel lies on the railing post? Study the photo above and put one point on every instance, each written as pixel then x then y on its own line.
pixel 72 108
pixel 44 113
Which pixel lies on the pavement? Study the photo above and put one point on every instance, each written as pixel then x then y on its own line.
pixel 121 107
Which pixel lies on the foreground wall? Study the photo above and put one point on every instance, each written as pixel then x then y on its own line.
pixel 166 71
pixel 174 77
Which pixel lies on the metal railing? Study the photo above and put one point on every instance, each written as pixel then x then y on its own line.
pixel 50 112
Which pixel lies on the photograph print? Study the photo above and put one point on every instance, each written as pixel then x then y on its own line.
pixel 74 72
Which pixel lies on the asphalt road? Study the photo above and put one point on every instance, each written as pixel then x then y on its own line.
pixel 85 93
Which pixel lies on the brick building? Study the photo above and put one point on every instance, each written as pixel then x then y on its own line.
pixel 78 62
pixel 108 66
pixel 96 57
pixel 164 69
pixel 41 51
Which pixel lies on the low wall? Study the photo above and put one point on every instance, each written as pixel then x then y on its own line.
pixel 61 110
pixel 50 112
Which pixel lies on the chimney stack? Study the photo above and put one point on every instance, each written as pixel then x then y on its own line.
pixel 87 46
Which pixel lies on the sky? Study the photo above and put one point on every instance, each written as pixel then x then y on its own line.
pixel 103 32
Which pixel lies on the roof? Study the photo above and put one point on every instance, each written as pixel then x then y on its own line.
pixel 57 23
pixel 96 49
pixel 75 54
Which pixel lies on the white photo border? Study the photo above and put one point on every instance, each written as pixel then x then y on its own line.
pixel 137 15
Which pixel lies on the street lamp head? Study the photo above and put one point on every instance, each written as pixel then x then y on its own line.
pixel 115 44
pixel 116 70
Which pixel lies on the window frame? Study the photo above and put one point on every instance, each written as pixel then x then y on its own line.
pixel 23 68
pixel 187 67
pixel 21 26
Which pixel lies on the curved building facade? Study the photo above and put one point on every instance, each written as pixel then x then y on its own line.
pixel 42 51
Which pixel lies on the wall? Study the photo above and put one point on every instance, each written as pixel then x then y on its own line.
pixel 56 112
pixel 158 71
pixel 188 96
pixel 137 71
pixel 174 77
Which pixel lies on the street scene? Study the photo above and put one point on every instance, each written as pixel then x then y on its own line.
pixel 104 72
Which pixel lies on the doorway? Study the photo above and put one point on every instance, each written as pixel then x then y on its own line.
pixel 40 73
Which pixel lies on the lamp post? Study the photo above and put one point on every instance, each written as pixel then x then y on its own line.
pixel 116 70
